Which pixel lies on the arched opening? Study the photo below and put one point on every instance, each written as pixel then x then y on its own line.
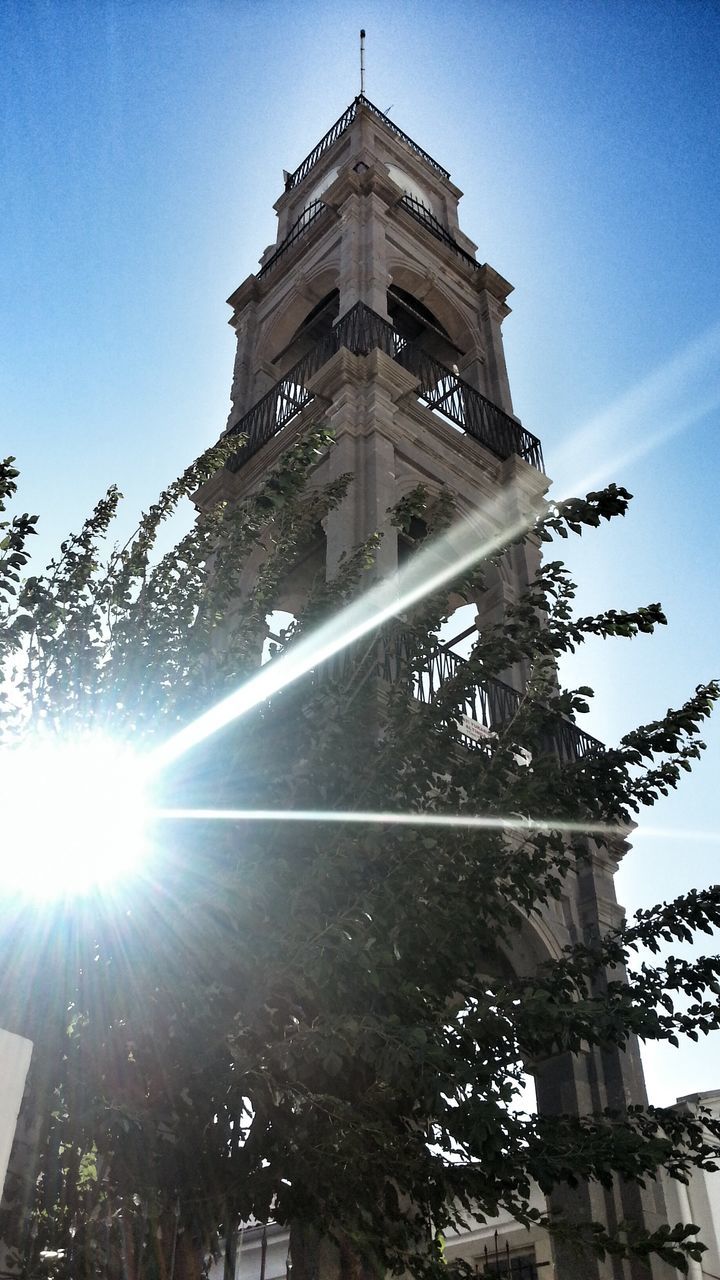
pixel 409 538
pixel 410 316
pixel 411 285
pixel 302 575
pixel 306 570
pixel 459 633
pixel 278 624
pixel 415 322
pixel 315 325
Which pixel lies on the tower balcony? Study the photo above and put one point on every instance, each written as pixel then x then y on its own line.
pixel 485 708
pixel 440 388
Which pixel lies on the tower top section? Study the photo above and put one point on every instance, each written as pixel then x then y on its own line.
pixel 369 256
pixel 360 139
pixel 340 127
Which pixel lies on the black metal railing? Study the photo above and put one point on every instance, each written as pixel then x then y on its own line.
pixel 361 331
pixel 426 217
pixel 500 1261
pixel 314 210
pixel 489 705
pixel 339 127
pixel 444 391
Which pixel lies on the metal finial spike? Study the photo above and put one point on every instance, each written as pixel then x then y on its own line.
pixel 362 62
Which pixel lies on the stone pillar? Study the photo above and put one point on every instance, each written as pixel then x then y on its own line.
pixel 587 1083
pixel 375 277
pixel 471 368
pixel 491 313
pixel 363 252
pixel 242 393
pixel 350 252
pixel 519 498
pixel 365 393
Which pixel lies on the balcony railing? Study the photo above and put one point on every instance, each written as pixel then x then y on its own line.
pixel 445 392
pixel 483 712
pixel 314 210
pixel 490 704
pixel 361 331
pixel 340 126
pixel 427 218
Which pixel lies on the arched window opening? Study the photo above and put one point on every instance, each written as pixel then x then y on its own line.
pixel 306 570
pixel 416 323
pixel 409 538
pixel 410 316
pixel 459 633
pixel 316 325
pixel 278 623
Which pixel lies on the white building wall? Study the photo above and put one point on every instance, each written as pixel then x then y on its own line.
pixel 699 1201
pixel 15 1052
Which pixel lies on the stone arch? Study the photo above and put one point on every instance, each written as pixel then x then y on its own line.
pixel 306 292
pixel 308 567
pixel 533 945
pixel 428 290
pixel 536 944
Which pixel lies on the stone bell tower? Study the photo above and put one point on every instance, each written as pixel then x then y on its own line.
pixel 372 313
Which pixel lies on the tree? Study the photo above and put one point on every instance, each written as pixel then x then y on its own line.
pixel 316 1021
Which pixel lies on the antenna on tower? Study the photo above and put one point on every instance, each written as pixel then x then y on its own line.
pixel 362 63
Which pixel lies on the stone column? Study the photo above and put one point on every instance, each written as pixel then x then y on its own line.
pixel 375 278
pixel 365 393
pixel 242 393
pixel 363 250
pixel 588 1083
pixel 350 282
pixel 491 313
pixel 520 491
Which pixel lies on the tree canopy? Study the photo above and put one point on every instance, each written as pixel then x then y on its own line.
pixel 320 1022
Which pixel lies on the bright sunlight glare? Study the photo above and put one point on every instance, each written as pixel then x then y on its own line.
pixel 432 568
pixel 74 815
pixel 75 811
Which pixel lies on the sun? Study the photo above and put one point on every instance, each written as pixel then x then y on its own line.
pixel 73 815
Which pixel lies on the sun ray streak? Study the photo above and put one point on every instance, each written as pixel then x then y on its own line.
pixel 663 396
pixel 479 822
pixel 673 397
pixel 451 555
pixel 358 817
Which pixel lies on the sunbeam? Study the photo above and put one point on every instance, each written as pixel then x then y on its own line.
pixel 432 568
pixel 662 396
pixel 62 859
pixel 672 398
pixel 479 822
pixel 393 819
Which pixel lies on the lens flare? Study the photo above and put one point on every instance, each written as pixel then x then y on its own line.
pixel 674 396
pixel 478 822
pixel 447 557
pixel 74 814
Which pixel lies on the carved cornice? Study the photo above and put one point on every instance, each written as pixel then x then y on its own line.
pixel 248 291
pixel 487 278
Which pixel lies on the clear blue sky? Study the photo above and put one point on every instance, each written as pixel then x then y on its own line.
pixel 142 149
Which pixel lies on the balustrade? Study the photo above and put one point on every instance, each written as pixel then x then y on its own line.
pixel 361 331
pixel 341 125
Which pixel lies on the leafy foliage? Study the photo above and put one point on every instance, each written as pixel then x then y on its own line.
pixel 324 1023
